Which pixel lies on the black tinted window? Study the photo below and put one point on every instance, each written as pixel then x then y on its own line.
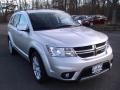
pixel 44 20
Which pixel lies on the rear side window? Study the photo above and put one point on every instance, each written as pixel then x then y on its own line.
pixel 15 20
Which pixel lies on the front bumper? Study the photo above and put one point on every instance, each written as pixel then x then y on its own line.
pixel 76 65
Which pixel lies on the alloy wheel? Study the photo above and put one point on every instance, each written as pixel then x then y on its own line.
pixel 36 68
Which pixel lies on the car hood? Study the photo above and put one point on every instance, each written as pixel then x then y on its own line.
pixel 71 37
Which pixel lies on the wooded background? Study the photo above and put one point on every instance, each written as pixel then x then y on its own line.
pixel 109 8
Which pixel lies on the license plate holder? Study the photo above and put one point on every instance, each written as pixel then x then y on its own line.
pixel 97 68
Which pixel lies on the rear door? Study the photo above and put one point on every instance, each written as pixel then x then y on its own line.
pixel 12 27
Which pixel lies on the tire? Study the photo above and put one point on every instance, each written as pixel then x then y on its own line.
pixel 10 47
pixel 38 67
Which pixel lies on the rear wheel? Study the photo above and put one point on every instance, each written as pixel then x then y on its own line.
pixel 10 47
pixel 38 67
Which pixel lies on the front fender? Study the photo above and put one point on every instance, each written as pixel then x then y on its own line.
pixel 41 50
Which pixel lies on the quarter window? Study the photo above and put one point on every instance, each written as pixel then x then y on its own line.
pixel 11 20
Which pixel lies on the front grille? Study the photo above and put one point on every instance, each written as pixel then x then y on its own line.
pixel 83 48
pixel 91 50
pixel 100 44
pixel 83 55
pixel 100 51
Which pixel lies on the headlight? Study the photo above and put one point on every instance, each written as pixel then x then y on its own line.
pixel 61 52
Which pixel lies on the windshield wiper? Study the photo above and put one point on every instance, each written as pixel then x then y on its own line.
pixel 65 26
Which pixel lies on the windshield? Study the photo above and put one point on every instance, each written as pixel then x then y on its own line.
pixel 51 20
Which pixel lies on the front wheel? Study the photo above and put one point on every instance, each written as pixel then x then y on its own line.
pixel 38 67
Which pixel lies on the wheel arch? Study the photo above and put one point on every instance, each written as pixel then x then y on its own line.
pixel 9 37
pixel 43 58
pixel 31 50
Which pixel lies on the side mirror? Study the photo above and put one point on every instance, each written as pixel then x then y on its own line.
pixel 23 28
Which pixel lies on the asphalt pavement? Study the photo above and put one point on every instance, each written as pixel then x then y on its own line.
pixel 16 72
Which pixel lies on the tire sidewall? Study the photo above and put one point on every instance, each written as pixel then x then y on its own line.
pixel 41 66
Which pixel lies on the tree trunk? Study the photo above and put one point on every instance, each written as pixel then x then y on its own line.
pixel 65 5
pixel 114 16
pixel 114 6
pixel 20 5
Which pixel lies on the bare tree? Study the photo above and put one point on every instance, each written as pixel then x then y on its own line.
pixel 114 6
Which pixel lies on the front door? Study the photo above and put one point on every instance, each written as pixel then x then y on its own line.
pixel 22 37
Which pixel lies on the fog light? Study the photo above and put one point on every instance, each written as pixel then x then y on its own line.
pixel 67 75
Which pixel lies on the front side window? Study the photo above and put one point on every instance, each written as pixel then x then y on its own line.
pixel 50 20
pixel 23 20
pixel 15 20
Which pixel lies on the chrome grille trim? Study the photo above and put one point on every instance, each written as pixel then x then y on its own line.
pixel 85 48
pixel 95 49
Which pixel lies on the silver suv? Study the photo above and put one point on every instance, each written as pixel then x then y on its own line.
pixel 58 47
